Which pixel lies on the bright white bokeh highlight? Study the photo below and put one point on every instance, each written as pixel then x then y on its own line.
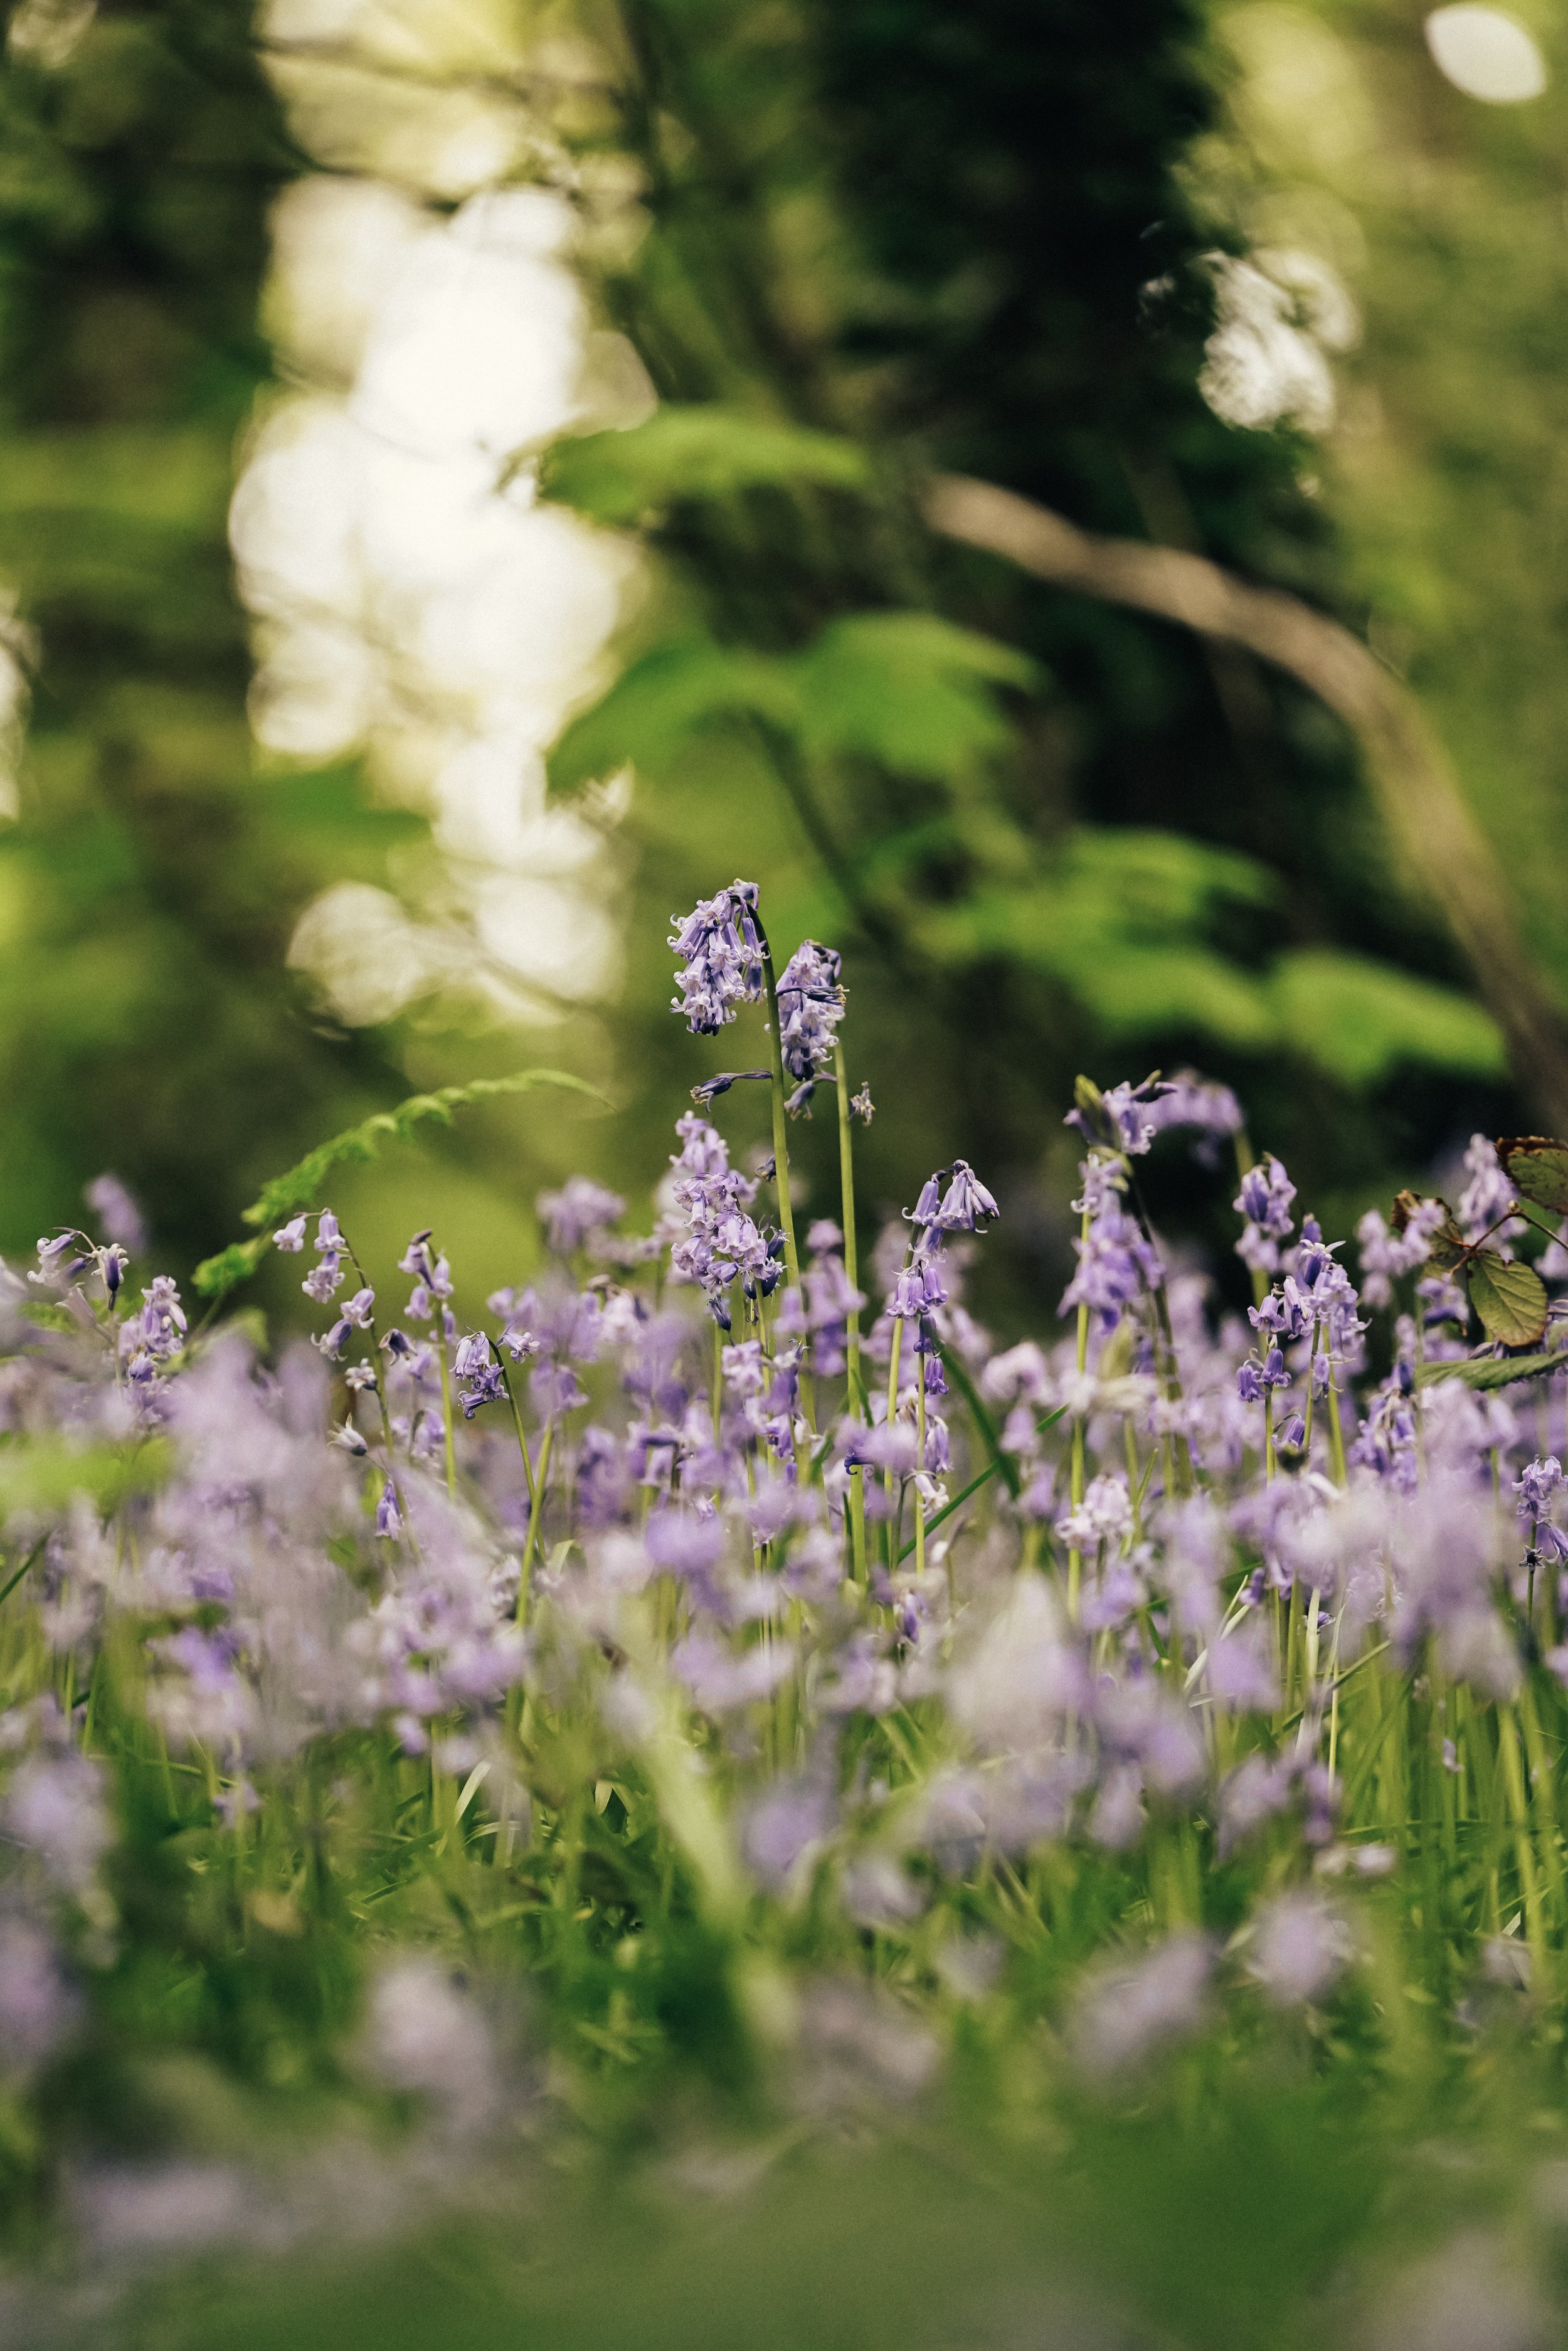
pixel 1487 54
pixel 413 599
pixel 1279 314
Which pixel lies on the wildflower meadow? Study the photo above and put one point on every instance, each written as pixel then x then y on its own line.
pixel 724 1721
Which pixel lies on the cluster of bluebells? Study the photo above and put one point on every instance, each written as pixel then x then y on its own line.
pixel 1126 1568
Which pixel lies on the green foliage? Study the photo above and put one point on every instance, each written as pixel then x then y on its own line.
pixel 1361 1019
pixel 39 1476
pixel 708 452
pixel 300 1186
pixel 907 689
pixel 1484 1373
pixel 1508 1296
pixel 1537 1168
pixel 1121 917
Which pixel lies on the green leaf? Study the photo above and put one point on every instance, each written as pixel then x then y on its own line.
pixel 1118 921
pixel 299 1186
pixel 906 689
pixel 1493 1371
pixel 1359 1019
pixel 653 710
pixel 216 1276
pixel 708 452
pixel 47 1316
pixel 41 1477
pixel 1537 1168
pixel 909 690
pixel 1509 1298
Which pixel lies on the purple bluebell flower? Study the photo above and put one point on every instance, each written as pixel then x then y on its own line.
pixel 1303 1944
pixel 721 1244
pixel 1126 2012
pixel 118 1213
pixel 432 1278
pixel 290 1237
pixel 162 1321
pixel 1264 1200
pixel 1188 1101
pixel 112 1264
pixel 1536 1484
pixel 860 1105
pixel 389 1518
pixel 810 1006
pixel 574 1214
pixel 1487 1197
pixel 324 1279
pixel 967 1206
pixel 354 1314
pixel 711 1088
pixel 720 945
pixel 62 1259
pixel 1386 1255
pixel 1116 1263
pixel 1123 1118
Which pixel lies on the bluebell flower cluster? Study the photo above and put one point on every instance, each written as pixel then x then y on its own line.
pixel 656 1538
pixel 719 943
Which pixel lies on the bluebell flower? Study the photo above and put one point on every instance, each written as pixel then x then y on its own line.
pixel 1116 1263
pixel 862 1106
pixel 711 1088
pixel 720 946
pixel 354 1315
pixel 1536 1485
pixel 324 1279
pixel 290 1237
pixel 118 1212
pixel 579 1210
pixel 53 1254
pixel 1489 1196
pixel 810 1006
pixel 967 1206
pixel 389 1519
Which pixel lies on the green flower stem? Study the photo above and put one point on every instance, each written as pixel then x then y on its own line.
pixel 1524 1851
pixel 852 1246
pixel 382 1401
pixel 445 1399
pixel 890 1476
pixel 517 1425
pixel 534 1515
pixel 1245 1164
pixel 1074 1556
pixel 780 1123
pixel 781 1163
pixel 1311 1396
pixel 919 1464
pixel 1336 1437
pixel 855 1383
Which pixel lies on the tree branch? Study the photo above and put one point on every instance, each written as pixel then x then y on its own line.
pixel 1408 770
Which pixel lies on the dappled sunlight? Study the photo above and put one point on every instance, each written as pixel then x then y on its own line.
pixel 413 598
pixel 1487 54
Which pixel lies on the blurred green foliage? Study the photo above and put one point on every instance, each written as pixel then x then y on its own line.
pixel 148 890
pixel 883 237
